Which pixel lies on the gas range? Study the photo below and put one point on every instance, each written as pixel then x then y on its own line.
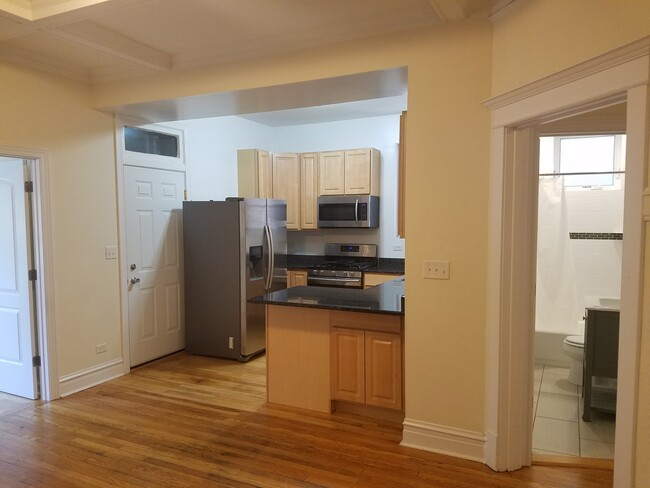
pixel 344 265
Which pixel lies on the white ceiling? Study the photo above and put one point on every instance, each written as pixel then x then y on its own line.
pixel 104 40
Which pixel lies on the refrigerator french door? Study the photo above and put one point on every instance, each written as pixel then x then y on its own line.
pixel 234 250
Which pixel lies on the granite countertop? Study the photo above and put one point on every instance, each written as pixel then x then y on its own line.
pixel 384 265
pixel 383 299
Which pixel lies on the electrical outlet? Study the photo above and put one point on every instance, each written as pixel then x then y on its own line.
pixel 100 348
pixel 231 342
pixel 398 248
pixel 111 252
pixel 436 270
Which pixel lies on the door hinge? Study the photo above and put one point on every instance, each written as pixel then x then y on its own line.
pixel 29 186
pixel 36 361
pixel 184 194
pixel 32 275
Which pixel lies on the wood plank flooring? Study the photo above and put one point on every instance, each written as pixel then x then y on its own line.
pixel 190 421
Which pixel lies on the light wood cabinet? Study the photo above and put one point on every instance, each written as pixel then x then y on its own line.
pixel 366 359
pixel 297 278
pixel 308 191
pixel 351 172
pixel 331 173
pixel 374 279
pixel 286 185
pixel 254 173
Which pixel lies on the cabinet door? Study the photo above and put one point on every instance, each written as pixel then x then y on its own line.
pixel 286 185
pixel 383 364
pixel 331 173
pixel 374 279
pixel 308 191
pixel 264 175
pixel 347 364
pixel 254 174
pixel 297 278
pixel 357 172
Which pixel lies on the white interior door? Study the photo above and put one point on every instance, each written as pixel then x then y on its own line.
pixel 154 237
pixel 18 376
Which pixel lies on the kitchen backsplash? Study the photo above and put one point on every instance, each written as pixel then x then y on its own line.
pixel 313 242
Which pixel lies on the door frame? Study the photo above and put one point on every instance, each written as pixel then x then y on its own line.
pixel 44 289
pixel 619 76
pixel 127 158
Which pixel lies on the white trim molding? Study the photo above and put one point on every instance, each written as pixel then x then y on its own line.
pixel 89 377
pixel 43 261
pixel 619 76
pixel 441 439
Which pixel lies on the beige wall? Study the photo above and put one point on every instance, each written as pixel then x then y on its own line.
pixel 544 36
pixel 448 159
pixel 541 37
pixel 39 111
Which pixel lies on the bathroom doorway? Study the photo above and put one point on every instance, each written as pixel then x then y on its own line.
pixel 579 258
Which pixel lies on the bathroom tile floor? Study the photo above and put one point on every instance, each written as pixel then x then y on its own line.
pixel 558 428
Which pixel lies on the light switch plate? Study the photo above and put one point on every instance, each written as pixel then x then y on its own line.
pixel 436 270
pixel 111 252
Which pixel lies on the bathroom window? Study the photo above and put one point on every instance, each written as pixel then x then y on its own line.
pixel 599 157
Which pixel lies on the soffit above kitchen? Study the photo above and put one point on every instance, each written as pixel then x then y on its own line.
pixel 105 40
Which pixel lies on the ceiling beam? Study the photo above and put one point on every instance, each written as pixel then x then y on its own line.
pixel 101 39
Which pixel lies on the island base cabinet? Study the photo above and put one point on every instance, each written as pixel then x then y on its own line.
pixel 298 357
pixel 383 370
pixel 348 365
pixel 366 367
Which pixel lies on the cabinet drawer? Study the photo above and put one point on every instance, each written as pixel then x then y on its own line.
pixel 366 321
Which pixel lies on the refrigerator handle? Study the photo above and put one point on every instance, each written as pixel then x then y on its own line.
pixel 272 258
pixel 268 272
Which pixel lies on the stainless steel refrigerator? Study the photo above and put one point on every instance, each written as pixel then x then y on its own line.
pixel 234 250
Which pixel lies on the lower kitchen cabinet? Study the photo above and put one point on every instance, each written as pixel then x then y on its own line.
pixel 366 367
pixel 297 278
pixel 374 279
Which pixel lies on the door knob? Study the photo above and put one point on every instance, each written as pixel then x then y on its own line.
pixel 135 280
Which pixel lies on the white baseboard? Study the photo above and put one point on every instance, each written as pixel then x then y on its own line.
pixel 459 443
pixel 87 378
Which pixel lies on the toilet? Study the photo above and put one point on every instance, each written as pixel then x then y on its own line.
pixel 574 347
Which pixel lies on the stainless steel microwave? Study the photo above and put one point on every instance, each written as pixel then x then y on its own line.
pixel 352 211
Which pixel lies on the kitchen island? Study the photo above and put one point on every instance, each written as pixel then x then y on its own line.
pixel 328 348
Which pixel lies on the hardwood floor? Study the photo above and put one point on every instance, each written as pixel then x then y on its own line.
pixel 189 421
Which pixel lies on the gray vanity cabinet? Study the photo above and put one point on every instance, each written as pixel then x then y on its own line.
pixel 600 361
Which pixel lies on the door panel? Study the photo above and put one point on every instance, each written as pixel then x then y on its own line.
pixel 17 341
pixel 153 201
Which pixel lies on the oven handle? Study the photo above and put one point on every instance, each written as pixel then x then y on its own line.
pixel 330 281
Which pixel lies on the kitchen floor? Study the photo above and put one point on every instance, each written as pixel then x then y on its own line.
pixel 558 428
pixel 11 403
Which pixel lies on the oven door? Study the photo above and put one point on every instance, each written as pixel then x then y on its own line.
pixel 335 282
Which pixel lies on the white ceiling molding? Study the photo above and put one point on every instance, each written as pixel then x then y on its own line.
pixel 37 61
pixel 501 8
pixel 94 36
pixel 448 10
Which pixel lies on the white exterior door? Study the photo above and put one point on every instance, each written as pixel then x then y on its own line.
pixel 154 237
pixel 18 376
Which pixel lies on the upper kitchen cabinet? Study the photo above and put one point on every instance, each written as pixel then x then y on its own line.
pixel 286 185
pixel 254 173
pixel 308 190
pixel 351 172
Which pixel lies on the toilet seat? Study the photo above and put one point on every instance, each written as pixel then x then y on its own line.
pixel 575 341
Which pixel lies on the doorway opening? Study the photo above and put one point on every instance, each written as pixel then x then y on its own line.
pixel 26 368
pixel 578 278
